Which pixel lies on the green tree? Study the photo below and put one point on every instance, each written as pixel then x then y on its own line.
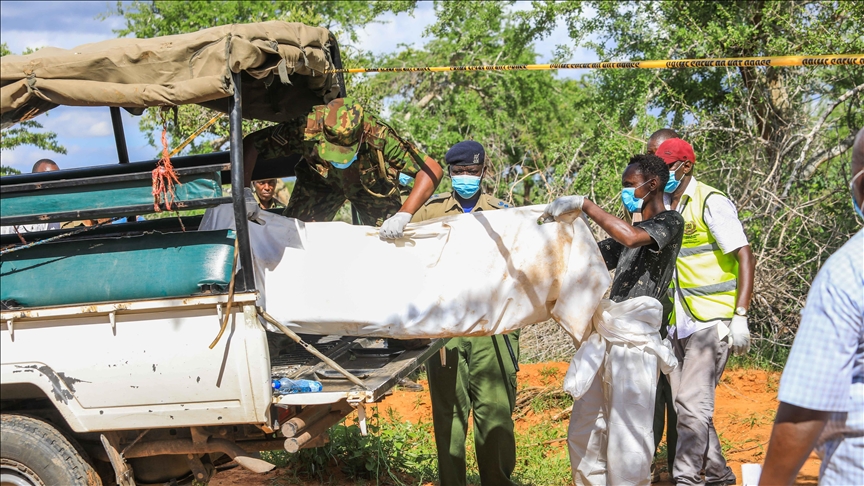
pixel 776 139
pixel 529 122
pixel 772 137
pixel 4 170
pixel 24 133
pixel 145 19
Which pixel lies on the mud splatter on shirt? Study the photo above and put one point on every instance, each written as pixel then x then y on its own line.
pixel 646 270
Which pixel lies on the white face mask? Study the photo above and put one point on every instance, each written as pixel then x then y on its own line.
pixel 466 185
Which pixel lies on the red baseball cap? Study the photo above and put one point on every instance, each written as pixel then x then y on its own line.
pixel 675 150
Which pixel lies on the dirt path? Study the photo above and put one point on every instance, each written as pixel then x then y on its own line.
pixel 744 414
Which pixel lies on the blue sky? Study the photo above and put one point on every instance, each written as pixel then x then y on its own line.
pixel 86 132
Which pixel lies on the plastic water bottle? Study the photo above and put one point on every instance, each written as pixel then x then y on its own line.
pixel 285 386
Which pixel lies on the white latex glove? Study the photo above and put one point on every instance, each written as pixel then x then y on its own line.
pixel 394 226
pixel 740 335
pixel 562 205
pixel 252 207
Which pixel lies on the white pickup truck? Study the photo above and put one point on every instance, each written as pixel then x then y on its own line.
pixel 134 384
pixel 110 370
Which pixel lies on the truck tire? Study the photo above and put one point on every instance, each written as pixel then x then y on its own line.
pixel 34 453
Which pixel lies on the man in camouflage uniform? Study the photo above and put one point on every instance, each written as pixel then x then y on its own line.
pixel 480 372
pixel 265 193
pixel 349 155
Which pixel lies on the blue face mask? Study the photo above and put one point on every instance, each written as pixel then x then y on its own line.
pixel 855 205
pixel 672 183
pixel 346 164
pixel 628 197
pixel 466 185
pixel 404 180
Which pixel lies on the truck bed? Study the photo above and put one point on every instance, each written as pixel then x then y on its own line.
pixel 369 359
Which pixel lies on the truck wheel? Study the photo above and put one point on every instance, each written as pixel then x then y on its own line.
pixel 36 454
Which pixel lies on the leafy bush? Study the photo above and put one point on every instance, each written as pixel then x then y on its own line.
pixel 393 452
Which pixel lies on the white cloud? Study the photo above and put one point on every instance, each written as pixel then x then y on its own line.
pixel 382 37
pixel 100 129
pixel 23 158
pixel 19 40
pixel 56 24
pixel 78 122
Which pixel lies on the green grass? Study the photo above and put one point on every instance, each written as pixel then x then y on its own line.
pixel 762 356
pixel 754 419
pixel 725 444
pixel 773 383
pixel 662 454
pixel 397 452
pixel 541 459
pixel 555 400
pixel 548 374
pixel 394 452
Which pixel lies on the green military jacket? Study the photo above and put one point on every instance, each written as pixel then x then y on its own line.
pixel 381 157
pixel 274 203
pixel 445 204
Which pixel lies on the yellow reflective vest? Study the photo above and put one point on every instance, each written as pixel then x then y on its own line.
pixel 707 279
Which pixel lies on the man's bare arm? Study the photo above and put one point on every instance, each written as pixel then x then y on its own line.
pixel 424 186
pixel 623 232
pixel 746 271
pixel 793 437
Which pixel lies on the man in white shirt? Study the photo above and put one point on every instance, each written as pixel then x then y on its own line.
pixel 42 165
pixel 712 287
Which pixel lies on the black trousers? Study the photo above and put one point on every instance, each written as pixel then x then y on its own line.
pixel 664 415
pixel 664 404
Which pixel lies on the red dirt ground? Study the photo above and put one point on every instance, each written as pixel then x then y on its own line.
pixel 744 413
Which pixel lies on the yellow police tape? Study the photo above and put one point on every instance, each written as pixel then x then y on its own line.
pixel 194 135
pixel 777 61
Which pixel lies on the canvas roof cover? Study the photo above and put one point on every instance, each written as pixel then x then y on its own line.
pixel 282 67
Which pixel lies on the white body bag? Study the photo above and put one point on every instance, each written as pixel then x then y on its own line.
pixel 476 274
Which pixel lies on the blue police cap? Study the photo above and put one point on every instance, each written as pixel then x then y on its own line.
pixel 468 152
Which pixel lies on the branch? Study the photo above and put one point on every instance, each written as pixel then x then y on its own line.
pixel 792 144
pixel 809 140
pixel 616 132
pixel 569 171
pixel 736 131
pixel 826 155
pixel 735 451
pixel 218 143
pixel 425 100
pixel 513 186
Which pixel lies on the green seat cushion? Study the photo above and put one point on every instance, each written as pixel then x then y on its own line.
pixel 117 269
pixel 101 196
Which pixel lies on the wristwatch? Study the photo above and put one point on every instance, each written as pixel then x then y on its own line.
pixel 741 311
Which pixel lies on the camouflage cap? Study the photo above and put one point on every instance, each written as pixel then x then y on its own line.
pixel 342 128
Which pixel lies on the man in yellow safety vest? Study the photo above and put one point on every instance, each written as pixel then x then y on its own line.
pixel 711 292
